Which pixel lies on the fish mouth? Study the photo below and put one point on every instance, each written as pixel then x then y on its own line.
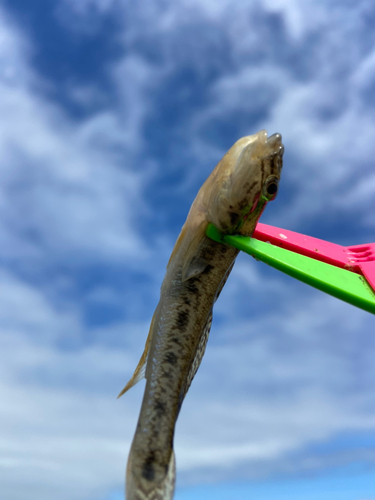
pixel 266 148
pixel 274 153
pixel 274 143
pixel 274 139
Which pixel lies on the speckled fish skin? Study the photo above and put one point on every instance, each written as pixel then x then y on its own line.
pixel 232 198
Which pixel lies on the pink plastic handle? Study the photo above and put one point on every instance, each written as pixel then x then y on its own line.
pixel 359 258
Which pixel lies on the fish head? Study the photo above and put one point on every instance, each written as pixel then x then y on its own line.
pixel 244 181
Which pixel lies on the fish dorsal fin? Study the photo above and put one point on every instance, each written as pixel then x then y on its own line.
pixel 200 352
pixel 178 243
pixel 204 336
pixel 139 372
pixel 194 261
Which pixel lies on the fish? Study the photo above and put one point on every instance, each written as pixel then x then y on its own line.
pixel 232 198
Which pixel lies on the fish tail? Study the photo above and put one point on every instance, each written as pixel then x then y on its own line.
pixel 145 488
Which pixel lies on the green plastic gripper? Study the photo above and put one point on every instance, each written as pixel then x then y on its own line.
pixel 342 284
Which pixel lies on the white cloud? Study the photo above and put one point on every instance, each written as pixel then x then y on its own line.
pixel 58 185
pixel 70 189
pixel 63 433
pixel 326 125
pixel 278 384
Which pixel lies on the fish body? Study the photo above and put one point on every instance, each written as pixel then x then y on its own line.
pixel 232 198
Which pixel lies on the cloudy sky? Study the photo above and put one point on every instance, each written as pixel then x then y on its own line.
pixel 113 113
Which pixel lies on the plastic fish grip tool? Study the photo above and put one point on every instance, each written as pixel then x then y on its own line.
pixel 347 273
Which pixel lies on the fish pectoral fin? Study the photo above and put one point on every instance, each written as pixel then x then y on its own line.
pixel 140 371
pixel 193 267
pixel 194 262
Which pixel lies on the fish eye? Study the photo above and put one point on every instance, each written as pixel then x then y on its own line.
pixel 270 188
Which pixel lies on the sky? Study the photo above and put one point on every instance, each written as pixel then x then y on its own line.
pixel 113 113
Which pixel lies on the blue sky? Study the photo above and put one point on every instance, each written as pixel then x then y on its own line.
pixel 113 113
